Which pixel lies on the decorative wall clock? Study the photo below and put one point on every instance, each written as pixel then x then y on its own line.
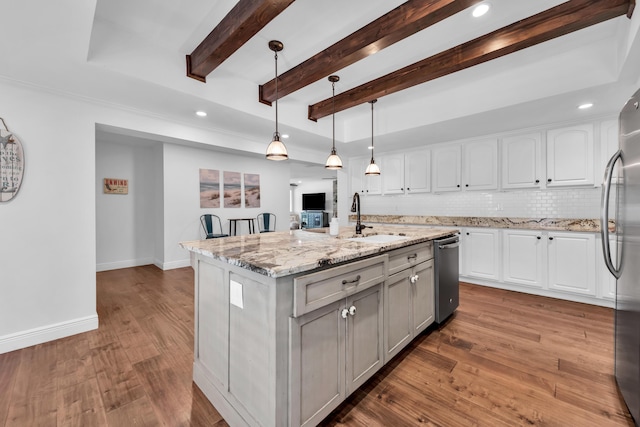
pixel 11 164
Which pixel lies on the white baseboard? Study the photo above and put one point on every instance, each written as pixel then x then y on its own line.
pixel 123 264
pixel 174 264
pixel 47 333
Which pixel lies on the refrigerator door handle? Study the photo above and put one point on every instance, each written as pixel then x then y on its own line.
pixel 604 214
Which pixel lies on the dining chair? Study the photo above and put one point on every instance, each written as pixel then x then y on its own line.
pixel 209 222
pixel 266 222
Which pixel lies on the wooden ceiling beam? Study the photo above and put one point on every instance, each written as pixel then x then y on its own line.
pixel 243 22
pixel 563 19
pixel 402 22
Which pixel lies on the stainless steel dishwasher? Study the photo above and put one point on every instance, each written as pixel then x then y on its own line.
pixel 447 276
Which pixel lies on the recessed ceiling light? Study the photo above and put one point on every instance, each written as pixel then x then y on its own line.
pixel 480 10
pixel 585 105
pixel 285 135
pixel 201 113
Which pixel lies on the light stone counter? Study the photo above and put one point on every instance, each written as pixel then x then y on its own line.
pixel 289 252
pixel 552 224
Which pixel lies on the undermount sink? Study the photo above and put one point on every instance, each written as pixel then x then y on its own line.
pixel 379 238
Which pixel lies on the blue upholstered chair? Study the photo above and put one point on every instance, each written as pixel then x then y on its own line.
pixel 212 226
pixel 266 222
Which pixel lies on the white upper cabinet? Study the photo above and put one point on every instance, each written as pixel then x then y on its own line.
pixel 361 183
pixel 392 173
pixel 417 172
pixel 570 156
pixel 446 168
pixel 608 146
pixel 521 161
pixel 481 165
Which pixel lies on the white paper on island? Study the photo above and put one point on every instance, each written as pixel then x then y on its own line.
pixel 235 293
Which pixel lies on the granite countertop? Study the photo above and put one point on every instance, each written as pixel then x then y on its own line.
pixel 289 252
pixel 552 224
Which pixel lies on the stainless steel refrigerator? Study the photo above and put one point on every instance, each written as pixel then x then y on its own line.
pixel 626 265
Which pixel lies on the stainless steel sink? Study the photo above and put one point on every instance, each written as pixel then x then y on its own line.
pixel 378 238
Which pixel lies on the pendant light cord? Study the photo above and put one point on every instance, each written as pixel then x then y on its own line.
pixel 333 102
pixel 372 132
pixel 276 57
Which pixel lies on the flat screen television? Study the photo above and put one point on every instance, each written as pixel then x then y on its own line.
pixel 313 202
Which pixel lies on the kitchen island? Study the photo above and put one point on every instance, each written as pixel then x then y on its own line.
pixel 288 324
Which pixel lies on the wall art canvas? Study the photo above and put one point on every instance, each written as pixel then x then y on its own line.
pixel 11 165
pixel 251 190
pixel 115 186
pixel 232 189
pixel 209 188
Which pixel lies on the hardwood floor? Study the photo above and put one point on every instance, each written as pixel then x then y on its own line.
pixel 504 359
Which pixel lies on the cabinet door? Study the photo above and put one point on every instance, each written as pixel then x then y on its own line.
pixel 317 364
pixel 481 248
pixel 417 172
pixel 570 156
pixel 373 183
pixel 364 350
pixel 422 300
pixel 481 165
pixel 521 158
pixel 571 262
pixel 392 174
pixel 523 257
pixel 398 324
pixel 446 169
pixel 608 146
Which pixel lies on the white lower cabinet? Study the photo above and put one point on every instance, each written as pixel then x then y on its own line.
pixel 566 265
pixel 523 257
pixel 571 261
pixel 481 253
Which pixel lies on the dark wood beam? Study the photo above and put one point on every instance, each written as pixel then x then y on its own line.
pixel 243 22
pixel 402 22
pixel 632 6
pixel 555 22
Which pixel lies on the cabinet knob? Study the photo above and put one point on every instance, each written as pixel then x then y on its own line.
pixel 344 313
pixel 550 238
pixel 467 234
pixel 401 189
pixel 466 185
pixel 538 237
pixel 414 278
pixel 549 180
pixel 537 181
pixel 408 189
pixel 352 310
pixel 458 185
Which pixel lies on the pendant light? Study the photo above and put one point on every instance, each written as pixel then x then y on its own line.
pixel 333 161
pixel 372 168
pixel 276 149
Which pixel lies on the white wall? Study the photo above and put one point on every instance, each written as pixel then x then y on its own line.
pixel 126 224
pixel 182 198
pixel 48 251
pixel 313 186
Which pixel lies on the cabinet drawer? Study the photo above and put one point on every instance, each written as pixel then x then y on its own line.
pixel 404 258
pixel 316 290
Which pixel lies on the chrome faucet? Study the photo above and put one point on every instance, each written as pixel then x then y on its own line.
pixel 355 207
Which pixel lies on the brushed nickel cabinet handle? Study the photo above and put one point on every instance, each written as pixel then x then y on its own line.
pixel 356 280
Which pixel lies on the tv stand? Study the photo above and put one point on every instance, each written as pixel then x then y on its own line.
pixel 314 219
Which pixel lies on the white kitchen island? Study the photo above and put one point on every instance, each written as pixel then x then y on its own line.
pixel 288 324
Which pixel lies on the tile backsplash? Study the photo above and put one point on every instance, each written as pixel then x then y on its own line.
pixel 556 203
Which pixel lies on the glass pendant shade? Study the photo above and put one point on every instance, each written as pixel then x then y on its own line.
pixel 372 168
pixel 276 149
pixel 334 162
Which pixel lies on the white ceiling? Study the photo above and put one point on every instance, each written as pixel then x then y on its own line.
pixel 132 53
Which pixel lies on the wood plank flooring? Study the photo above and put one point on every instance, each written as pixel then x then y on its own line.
pixel 504 359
